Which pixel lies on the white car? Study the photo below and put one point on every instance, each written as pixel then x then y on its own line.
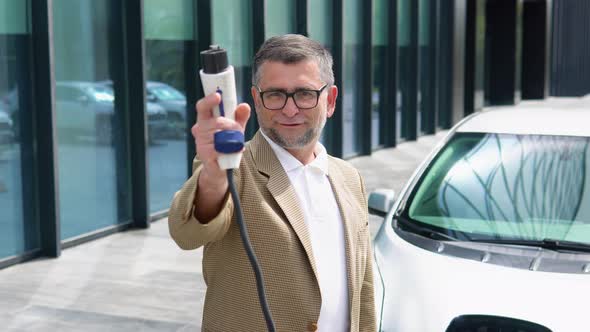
pixel 492 231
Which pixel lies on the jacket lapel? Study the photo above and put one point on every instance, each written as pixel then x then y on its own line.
pixel 282 191
pixel 344 203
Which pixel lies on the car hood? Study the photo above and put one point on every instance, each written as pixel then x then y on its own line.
pixel 424 291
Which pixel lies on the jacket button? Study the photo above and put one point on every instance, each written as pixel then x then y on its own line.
pixel 312 326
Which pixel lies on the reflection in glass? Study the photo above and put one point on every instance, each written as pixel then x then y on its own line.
pixel 88 124
pixel 85 110
pixel 19 231
pixel 280 17
pixel 379 44
pixel 320 29
pixel 321 21
pixel 425 54
pixel 169 32
pixel 232 23
pixel 171 124
pixel 405 72
pixel 509 186
pixel 351 103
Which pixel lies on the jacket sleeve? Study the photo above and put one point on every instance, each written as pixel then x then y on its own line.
pixel 367 318
pixel 184 228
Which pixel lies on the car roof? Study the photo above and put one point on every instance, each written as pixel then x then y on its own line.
pixel 533 121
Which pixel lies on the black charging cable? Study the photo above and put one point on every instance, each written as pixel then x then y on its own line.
pixel 250 252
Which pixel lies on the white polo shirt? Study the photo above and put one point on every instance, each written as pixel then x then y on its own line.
pixel 326 231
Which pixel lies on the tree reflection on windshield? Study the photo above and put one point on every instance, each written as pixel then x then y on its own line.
pixel 523 186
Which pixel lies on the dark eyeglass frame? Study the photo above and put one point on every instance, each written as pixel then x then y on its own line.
pixel 292 96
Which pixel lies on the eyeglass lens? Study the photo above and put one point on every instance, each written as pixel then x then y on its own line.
pixel 302 98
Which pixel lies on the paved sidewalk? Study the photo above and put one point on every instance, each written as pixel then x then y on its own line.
pixel 139 280
pixel 136 280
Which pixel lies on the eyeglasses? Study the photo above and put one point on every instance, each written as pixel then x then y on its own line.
pixel 303 99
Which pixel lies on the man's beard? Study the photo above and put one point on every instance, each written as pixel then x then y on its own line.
pixel 299 142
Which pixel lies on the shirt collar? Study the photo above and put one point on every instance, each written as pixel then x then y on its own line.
pixel 291 163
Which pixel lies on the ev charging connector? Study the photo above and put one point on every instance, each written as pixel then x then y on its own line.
pixel 218 76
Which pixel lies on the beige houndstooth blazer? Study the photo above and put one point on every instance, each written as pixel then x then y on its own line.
pixel 282 243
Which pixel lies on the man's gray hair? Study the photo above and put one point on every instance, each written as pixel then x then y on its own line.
pixel 291 49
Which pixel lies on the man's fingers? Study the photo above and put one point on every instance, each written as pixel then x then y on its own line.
pixel 206 105
pixel 242 115
pixel 205 129
pixel 207 124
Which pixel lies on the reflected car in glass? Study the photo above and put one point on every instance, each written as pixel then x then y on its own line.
pixel 6 127
pixel 173 102
pixel 492 230
pixel 9 104
pixel 88 109
pixel 9 101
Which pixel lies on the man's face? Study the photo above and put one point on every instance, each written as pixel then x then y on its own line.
pixel 291 127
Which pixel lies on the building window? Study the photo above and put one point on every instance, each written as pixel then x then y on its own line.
pixel 169 32
pixel 93 169
pixel 232 30
pixel 378 93
pixel 280 17
pixel 352 80
pixel 320 22
pixel 426 70
pixel 19 230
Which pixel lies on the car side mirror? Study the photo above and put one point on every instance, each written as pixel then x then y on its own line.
pixel 151 98
pixel 381 201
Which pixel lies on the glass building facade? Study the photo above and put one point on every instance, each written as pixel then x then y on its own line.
pixel 97 97
pixel 169 32
pixel 280 18
pixel 379 89
pixel 19 227
pixel 406 112
pixel 88 122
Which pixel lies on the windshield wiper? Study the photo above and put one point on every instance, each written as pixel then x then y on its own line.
pixel 550 244
pixel 412 226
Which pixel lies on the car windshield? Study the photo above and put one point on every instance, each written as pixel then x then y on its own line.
pixel 502 186
pixel 166 93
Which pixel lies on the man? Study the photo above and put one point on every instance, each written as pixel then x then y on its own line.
pixel 306 212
